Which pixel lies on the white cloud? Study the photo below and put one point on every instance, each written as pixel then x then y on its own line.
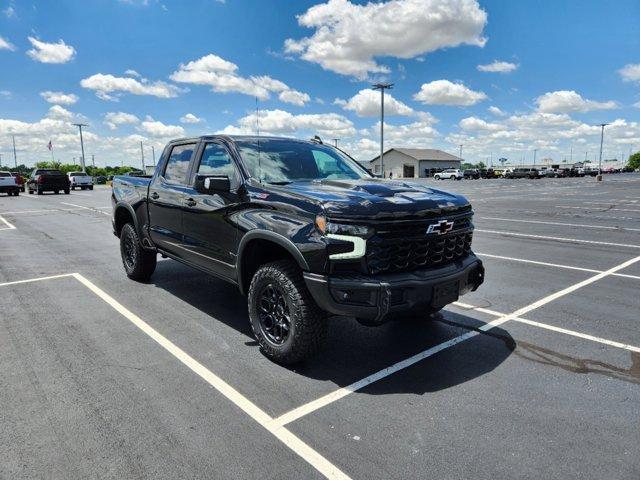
pixel 155 128
pixel 109 87
pixel 498 67
pixel 9 12
pixel 637 104
pixel 278 122
pixel 6 45
pixel 294 97
pixel 190 118
pixel 5 94
pixel 132 73
pixel 51 52
pixel 496 111
pixel 59 98
pixel 567 101
pixel 475 124
pixel 444 92
pixel 348 37
pixel 222 76
pixel 366 103
pixel 60 113
pixel 114 119
pixel 630 72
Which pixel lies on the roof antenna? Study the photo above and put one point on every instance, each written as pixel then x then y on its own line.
pixel 258 133
pixel 257 118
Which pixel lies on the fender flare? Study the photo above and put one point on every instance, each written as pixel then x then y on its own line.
pixel 274 237
pixel 129 208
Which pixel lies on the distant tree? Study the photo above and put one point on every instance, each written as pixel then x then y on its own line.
pixel 467 165
pixel 634 160
pixel 480 165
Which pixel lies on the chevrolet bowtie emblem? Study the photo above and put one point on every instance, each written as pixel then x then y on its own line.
pixel 442 227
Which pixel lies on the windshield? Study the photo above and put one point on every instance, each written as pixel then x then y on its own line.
pixel 78 174
pixel 284 161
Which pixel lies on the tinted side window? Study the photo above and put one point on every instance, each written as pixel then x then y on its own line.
pixel 216 161
pixel 178 163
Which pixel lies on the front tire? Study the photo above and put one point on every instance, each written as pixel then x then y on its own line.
pixel 284 318
pixel 139 264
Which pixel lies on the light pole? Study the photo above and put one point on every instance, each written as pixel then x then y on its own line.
pixel 335 142
pixel 142 156
pixel 461 145
pixel 602 125
pixel 153 152
pixel 93 160
pixel 382 87
pixel 535 151
pixel 80 125
pixel 0 160
pixel 15 157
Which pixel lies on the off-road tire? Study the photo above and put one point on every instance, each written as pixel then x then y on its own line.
pixel 66 191
pixel 308 325
pixel 139 264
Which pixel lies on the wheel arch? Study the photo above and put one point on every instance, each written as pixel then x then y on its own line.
pixel 122 215
pixel 258 247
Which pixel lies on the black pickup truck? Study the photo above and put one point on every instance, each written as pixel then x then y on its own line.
pixel 302 229
pixel 48 180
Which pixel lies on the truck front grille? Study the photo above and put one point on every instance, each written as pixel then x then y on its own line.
pixel 388 255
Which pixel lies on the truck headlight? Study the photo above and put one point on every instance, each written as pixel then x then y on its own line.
pixel 354 234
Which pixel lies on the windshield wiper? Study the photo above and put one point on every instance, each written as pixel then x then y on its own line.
pixel 282 182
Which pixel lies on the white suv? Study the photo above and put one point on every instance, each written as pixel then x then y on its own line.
pixel 450 173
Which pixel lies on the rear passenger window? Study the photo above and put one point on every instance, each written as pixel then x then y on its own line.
pixel 178 163
pixel 216 161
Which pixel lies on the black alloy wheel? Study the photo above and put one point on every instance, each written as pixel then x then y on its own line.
pixel 275 319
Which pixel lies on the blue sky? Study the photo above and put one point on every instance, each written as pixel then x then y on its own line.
pixel 501 78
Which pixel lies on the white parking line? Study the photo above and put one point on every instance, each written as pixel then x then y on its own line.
pixel 579 225
pixel 86 208
pixel 556 265
pixel 561 239
pixel 602 210
pixel 311 456
pixel 314 405
pixel 546 326
pixel 8 225
pixel 38 279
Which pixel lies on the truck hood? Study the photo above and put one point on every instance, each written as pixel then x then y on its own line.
pixel 377 198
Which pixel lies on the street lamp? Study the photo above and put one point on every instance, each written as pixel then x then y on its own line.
pixel 602 125
pixel 461 145
pixel 80 125
pixel 382 87
pixel 535 151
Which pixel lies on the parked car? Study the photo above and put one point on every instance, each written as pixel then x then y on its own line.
pixel 487 173
pixel 302 230
pixel 521 173
pixel 19 180
pixel 471 174
pixel 101 179
pixel 48 180
pixel 559 173
pixel 80 180
pixel 8 184
pixel 592 172
pixel 449 173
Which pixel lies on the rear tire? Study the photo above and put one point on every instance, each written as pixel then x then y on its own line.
pixel 39 192
pixel 436 177
pixel 285 319
pixel 56 192
pixel 139 264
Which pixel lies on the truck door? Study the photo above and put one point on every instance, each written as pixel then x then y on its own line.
pixel 166 195
pixel 209 236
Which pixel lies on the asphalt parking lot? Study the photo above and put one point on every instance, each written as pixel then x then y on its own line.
pixel 535 375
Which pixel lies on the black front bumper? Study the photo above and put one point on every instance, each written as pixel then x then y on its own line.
pixel 376 297
pixel 9 188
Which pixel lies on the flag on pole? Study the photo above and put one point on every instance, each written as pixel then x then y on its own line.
pixel 49 145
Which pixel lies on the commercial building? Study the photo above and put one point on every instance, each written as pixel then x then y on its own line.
pixel 413 162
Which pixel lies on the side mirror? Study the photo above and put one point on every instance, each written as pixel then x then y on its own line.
pixel 211 184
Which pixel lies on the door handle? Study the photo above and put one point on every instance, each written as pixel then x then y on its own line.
pixel 155 196
pixel 190 202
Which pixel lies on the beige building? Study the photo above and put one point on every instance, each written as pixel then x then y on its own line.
pixel 413 162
